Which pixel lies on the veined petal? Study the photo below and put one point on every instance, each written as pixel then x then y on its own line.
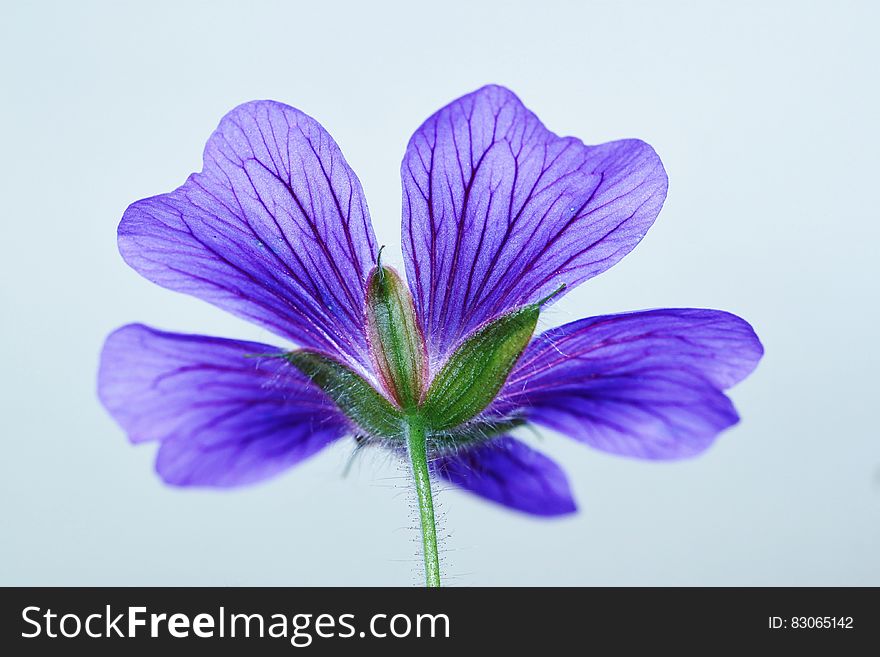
pixel 645 384
pixel 275 229
pixel 510 473
pixel 498 211
pixel 224 415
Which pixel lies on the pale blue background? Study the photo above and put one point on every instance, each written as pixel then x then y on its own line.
pixel 765 115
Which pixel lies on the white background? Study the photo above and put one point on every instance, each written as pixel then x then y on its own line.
pixel 765 115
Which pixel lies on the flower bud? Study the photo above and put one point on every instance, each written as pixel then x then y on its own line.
pixel 396 342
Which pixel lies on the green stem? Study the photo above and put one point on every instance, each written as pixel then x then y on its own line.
pixel 418 455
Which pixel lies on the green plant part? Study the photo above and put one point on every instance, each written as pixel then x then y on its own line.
pixel 356 398
pixel 396 342
pixel 422 422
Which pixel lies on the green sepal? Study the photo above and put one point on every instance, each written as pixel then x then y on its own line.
pixel 475 372
pixel 354 396
pixel 396 341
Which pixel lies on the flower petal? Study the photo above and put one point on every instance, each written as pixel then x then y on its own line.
pixel 498 211
pixel 511 473
pixel 275 229
pixel 223 416
pixel 646 384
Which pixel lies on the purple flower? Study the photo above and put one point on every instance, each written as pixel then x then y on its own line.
pixel 500 217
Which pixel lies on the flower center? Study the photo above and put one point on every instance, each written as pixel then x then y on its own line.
pixel 451 408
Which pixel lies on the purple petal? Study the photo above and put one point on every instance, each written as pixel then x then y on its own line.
pixel 498 211
pixel 274 229
pixel 224 417
pixel 646 384
pixel 509 472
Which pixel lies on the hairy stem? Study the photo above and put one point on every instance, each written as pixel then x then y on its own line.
pixel 416 446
